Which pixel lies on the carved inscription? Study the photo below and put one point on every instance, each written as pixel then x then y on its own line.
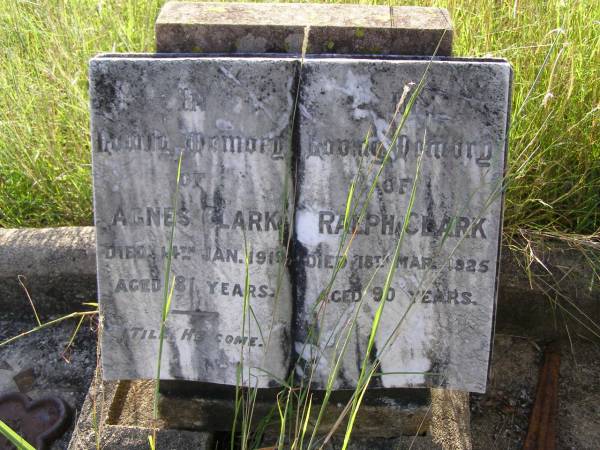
pixel 389 224
pixel 262 167
pixel 431 189
pixel 231 127
pixel 152 216
pixel 194 143
pixel 403 148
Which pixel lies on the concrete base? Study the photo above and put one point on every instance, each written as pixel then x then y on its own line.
pixel 384 413
pixel 284 27
pixel 56 265
pixel 95 430
pixel 118 415
pixel 212 408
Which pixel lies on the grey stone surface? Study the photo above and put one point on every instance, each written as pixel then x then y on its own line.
pixel 437 319
pixel 231 119
pixel 56 265
pixel 209 27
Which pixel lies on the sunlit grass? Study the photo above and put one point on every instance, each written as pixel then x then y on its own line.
pixel 45 173
pixel 554 47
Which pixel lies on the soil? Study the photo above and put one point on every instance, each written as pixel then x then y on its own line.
pixel 36 366
pixel 499 419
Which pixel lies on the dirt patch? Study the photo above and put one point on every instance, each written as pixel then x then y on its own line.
pixel 499 419
pixel 579 396
pixel 35 365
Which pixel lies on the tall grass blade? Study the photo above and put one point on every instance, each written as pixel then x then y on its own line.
pixel 50 323
pixel 167 297
pixel 37 318
pixel 14 438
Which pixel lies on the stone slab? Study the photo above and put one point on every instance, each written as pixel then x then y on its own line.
pixel 123 414
pixel 438 317
pixel 210 410
pixel 233 127
pixel 57 266
pixel 230 119
pixel 384 413
pixel 398 418
pixel 209 27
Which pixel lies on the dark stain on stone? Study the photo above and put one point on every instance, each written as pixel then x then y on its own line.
pixel 105 92
pixel 174 360
pixel 300 327
pixel 342 377
pixel 355 280
pixel 436 374
pixel 375 381
pixel 357 351
pixel 217 207
pixel 155 272
pixel 297 272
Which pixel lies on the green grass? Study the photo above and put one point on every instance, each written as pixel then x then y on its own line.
pixel 14 438
pixel 553 45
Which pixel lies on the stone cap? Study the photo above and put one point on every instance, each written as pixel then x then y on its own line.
pixel 186 27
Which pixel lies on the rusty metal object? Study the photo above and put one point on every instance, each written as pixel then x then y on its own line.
pixel 542 423
pixel 25 380
pixel 39 422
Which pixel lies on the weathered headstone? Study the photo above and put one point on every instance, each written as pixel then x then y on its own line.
pixel 256 134
pixel 230 120
pixel 269 148
pixel 438 313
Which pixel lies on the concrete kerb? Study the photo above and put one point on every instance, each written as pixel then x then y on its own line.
pixel 58 267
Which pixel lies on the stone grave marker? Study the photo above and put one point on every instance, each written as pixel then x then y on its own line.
pixel 210 27
pixel 437 321
pixel 269 147
pixel 230 119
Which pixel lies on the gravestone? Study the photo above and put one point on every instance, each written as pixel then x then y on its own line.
pixel 210 27
pixel 230 121
pixel 438 312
